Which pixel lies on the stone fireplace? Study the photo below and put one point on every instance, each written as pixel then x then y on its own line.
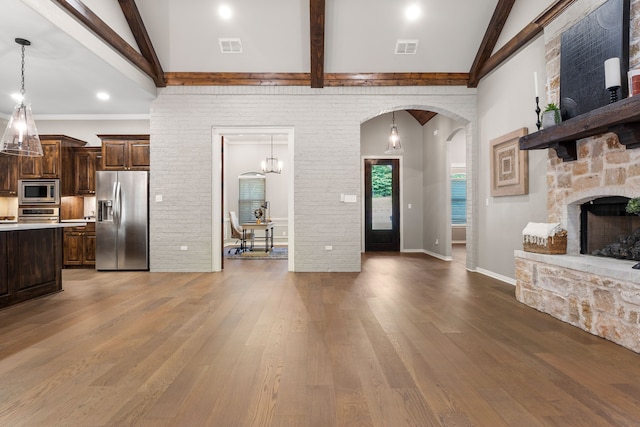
pixel 600 295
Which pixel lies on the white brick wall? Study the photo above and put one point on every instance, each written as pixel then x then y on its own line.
pixel 326 125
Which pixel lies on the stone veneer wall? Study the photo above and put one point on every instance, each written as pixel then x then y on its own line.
pixel 601 301
pixel 584 293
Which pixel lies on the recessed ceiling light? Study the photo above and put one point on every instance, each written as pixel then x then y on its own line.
pixel 412 12
pixel 225 12
pixel 103 96
pixel 16 97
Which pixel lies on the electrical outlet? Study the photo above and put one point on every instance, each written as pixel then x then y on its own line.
pixel 328 248
pixel 437 241
pixel 158 197
pixel 184 248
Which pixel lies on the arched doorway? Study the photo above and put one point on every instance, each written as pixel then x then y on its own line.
pixel 425 178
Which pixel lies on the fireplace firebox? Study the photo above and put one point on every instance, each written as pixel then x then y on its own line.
pixel 606 229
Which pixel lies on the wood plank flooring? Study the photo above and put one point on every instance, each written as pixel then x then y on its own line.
pixel 410 341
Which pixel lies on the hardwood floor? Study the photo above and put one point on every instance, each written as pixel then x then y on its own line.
pixel 410 341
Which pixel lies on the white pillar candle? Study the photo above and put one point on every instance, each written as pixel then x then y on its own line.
pixel 535 82
pixel 612 73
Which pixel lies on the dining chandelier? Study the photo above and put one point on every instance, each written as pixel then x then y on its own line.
pixel 394 146
pixel 271 164
pixel 20 138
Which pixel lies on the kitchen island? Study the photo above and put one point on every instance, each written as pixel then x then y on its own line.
pixel 30 260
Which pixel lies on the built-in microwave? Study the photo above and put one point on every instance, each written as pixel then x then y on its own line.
pixel 39 192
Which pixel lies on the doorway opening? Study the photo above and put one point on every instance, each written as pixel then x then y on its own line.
pixel 238 150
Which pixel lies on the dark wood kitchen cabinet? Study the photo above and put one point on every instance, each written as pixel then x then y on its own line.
pixel 46 166
pixel 21 280
pixel 58 156
pixel 87 161
pixel 79 246
pixel 125 152
pixel 9 175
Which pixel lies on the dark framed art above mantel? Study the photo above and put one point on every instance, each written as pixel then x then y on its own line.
pixel 584 47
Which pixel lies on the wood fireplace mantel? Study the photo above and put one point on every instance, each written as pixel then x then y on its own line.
pixel 621 118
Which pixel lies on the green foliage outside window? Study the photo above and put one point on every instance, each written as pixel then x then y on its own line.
pixel 381 180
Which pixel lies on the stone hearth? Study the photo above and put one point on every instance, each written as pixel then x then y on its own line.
pixel 599 295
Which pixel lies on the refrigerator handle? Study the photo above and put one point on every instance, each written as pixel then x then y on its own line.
pixel 118 202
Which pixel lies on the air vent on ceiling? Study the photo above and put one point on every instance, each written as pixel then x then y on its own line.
pixel 230 45
pixel 406 47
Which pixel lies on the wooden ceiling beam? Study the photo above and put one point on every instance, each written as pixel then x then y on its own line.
pixel 132 14
pixel 525 36
pixel 97 26
pixel 422 116
pixel 494 29
pixel 304 79
pixel 396 79
pixel 317 18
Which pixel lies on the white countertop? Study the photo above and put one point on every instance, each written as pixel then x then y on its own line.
pixel 39 226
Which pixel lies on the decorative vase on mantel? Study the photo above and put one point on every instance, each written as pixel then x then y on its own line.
pixel 551 116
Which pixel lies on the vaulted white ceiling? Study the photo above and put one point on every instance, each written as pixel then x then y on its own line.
pixel 67 65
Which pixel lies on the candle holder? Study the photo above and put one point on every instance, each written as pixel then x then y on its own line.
pixel 537 110
pixel 613 94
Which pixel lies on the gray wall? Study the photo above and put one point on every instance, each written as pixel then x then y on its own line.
pixel 507 101
pixel 437 201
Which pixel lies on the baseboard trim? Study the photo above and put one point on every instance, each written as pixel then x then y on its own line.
pixel 496 276
pixel 439 256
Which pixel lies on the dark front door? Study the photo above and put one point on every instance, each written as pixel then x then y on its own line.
pixel 382 205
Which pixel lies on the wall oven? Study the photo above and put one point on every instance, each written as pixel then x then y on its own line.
pixel 39 192
pixel 41 214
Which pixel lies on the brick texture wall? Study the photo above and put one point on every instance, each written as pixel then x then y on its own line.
pixel 326 125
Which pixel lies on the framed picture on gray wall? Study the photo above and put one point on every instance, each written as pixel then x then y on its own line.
pixel 509 165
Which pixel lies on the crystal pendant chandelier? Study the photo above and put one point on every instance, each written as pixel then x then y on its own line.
pixel 271 164
pixel 21 138
pixel 394 147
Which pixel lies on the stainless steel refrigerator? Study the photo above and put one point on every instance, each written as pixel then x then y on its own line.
pixel 122 220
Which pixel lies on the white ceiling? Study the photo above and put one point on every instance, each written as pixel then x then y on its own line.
pixel 66 65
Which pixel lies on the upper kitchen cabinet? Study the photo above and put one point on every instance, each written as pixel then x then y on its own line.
pixel 58 155
pixel 125 152
pixel 9 177
pixel 87 161
pixel 47 166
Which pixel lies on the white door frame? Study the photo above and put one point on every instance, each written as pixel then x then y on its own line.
pixel 216 178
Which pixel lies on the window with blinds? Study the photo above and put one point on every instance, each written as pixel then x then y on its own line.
pixel 458 198
pixel 251 195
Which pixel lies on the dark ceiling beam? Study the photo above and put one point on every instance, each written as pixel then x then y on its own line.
pixel 396 79
pixel 525 36
pixel 304 79
pixel 97 26
pixel 494 29
pixel 317 17
pixel 132 14
pixel 237 79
